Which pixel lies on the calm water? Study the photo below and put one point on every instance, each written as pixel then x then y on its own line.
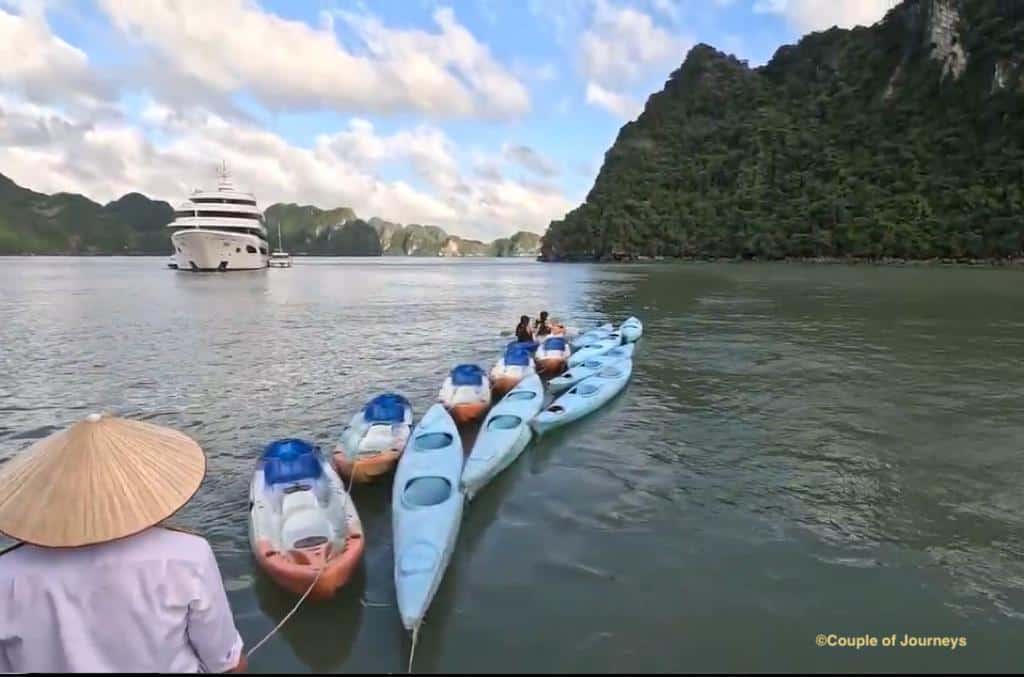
pixel 802 450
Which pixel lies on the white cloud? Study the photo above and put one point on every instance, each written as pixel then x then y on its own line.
pixel 40 65
pixel 50 151
pixel 623 44
pixel 621 105
pixel 809 15
pixel 668 8
pixel 232 46
pixel 621 48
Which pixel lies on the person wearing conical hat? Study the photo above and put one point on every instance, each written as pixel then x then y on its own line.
pixel 95 584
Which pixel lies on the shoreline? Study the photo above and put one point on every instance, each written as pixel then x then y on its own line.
pixel 815 260
pixel 305 256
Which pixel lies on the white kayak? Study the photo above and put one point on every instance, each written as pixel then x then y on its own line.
pixel 595 349
pixel 515 365
pixel 466 393
pixel 589 367
pixel 552 355
pixel 585 397
pixel 504 434
pixel 302 521
pixel 373 440
pixel 631 330
pixel 426 510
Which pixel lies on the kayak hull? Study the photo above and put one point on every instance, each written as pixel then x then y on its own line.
pixel 585 397
pixel 551 365
pixel 366 469
pixel 468 413
pixel 295 573
pixel 588 368
pixel 426 508
pixel 593 350
pixel 503 436
pixel 505 376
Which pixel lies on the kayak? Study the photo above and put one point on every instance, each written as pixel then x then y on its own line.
pixel 504 435
pixel 301 520
pixel 595 349
pixel 466 393
pixel 585 397
pixel 592 335
pixel 586 369
pixel 552 355
pixel 373 440
pixel 515 365
pixel 632 329
pixel 426 509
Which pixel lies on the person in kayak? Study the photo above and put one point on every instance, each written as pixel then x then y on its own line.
pixel 540 327
pixel 523 333
pixel 96 583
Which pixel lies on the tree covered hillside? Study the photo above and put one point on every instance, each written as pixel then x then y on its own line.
pixel 905 139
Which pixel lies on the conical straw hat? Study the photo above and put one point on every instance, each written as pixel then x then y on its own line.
pixel 101 479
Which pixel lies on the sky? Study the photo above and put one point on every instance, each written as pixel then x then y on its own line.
pixel 482 116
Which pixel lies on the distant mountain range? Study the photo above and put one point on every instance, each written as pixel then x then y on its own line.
pixel 67 223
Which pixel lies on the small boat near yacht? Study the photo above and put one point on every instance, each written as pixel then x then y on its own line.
pixel 279 258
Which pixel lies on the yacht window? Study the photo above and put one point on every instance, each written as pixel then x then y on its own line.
pixel 263 250
pixel 222 201
pixel 238 250
pixel 249 248
pixel 227 215
pixel 184 214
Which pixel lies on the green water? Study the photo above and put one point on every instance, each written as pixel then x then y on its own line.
pixel 802 450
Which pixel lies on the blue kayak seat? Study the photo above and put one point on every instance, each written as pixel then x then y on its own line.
pixel 529 346
pixel 520 395
pixel 290 460
pixel 386 408
pixel 432 441
pixel 516 356
pixel 424 492
pixel 467 375
pixel 504 422
pixel 555 343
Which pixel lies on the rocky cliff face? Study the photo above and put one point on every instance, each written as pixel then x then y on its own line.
pixel 904 139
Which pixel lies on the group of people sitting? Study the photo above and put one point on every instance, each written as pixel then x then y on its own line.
pixel 537 330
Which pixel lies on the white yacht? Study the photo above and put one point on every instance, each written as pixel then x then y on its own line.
pixel 219 230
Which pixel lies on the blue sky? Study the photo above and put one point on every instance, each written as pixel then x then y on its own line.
pixel 484 116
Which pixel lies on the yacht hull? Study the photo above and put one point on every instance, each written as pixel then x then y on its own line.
pixel 207 249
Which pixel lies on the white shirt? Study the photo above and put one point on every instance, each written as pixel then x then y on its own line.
pixel 153 602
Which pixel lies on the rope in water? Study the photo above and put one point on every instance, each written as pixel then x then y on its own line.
pixel 288 615
pixel 412 651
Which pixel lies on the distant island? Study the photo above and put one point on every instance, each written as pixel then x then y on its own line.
pixel 71 224
pixel 903 140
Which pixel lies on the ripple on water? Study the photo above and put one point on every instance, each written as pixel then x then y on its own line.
pixel 799 446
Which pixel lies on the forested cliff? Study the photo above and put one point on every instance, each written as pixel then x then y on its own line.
pixel 904 139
